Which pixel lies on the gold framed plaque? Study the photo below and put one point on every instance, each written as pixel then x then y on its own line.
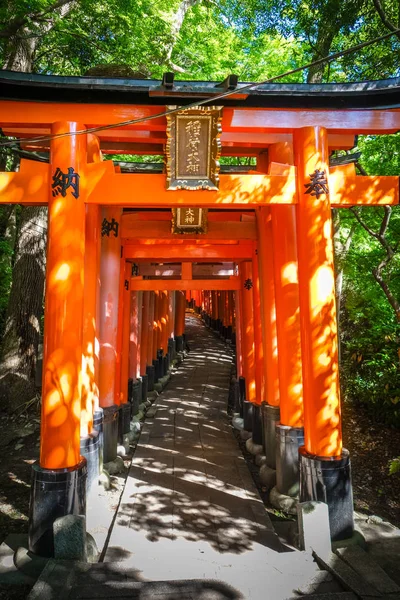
pixel 193 148
pixel 189 220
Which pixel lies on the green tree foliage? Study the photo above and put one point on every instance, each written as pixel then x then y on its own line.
pixel 370 320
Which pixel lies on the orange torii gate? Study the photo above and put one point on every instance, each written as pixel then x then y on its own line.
pixel 290 193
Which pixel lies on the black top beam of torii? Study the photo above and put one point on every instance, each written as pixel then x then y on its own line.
pixel 104 90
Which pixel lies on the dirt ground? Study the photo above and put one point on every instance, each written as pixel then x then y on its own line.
pixel 371 447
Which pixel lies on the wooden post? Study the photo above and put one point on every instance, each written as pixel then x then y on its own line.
pixel 118 354
pixel 247 329
pixel 61 474
pixel 258 340
pixel 150 328
pixel 126 307
pixel 62 361
pixel 134 340
pixel 322 420
pixel 144 339
pixel 109 297
pixel 287 315
pixel 90 390
pixel 323 460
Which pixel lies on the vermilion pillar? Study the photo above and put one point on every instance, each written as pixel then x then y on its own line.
pixel 118 358
pixel 164 321
pixel 126 310
pixel 61 396
pixel 180 303
pixel 258 341
pixel 134 336
pixel 90 390
pixel 247 329
pixel 324 464
pixel 157 323
pixel 239 343
pixel 109 296
pixel 150 326
pixel 322 422
pixel 145 333
pixel 268 308
pixel 62 360
pixel 287 315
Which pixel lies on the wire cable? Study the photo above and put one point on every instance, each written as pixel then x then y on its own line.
pixel 197 103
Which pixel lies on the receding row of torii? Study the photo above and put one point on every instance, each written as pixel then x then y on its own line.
pixel 285 316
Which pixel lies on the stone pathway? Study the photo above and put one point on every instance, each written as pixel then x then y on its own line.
pixel 190 509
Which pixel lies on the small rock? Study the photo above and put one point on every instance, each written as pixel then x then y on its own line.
pixel 18 447
pixel 104 480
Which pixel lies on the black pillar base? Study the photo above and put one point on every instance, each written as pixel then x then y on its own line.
pixel 170 349
pixel 98 424
pixel 145 387
pixel 233 394
pixel 288 442
pixel 160 366
pixel 257 425
pixel 136 397
pixel 242 394
pixel 124 420
pixel 248 409
pixel 110 433
pixel 270 418
pixel 54 493
pixel 233 338
pixel 329 480
pixel 229 332
pixel 179 343
pixel 90 451
pixel 156 370
pixel 166 364
pixel 150 371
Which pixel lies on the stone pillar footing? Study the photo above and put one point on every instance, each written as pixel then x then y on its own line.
pixel 55 493
pixel 270 418
pixel 329 480
pixel 110 432
pixel 287 504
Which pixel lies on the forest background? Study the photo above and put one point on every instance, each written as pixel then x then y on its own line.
pixel 207 40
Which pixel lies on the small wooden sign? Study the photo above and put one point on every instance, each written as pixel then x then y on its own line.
pixel 193 148
pixel 189 220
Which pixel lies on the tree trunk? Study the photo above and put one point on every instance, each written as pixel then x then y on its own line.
pixel 22 329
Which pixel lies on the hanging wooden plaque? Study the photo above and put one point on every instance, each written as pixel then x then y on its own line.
pixel 193 148
pixel 189 220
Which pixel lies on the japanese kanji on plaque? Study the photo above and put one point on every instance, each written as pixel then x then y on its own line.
pixel 189 220
pixel 193 148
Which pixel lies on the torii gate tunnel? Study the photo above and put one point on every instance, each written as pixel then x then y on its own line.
pixel 270 232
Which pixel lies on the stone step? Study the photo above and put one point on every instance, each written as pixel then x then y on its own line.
pixel 359 560
pixel 66 580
